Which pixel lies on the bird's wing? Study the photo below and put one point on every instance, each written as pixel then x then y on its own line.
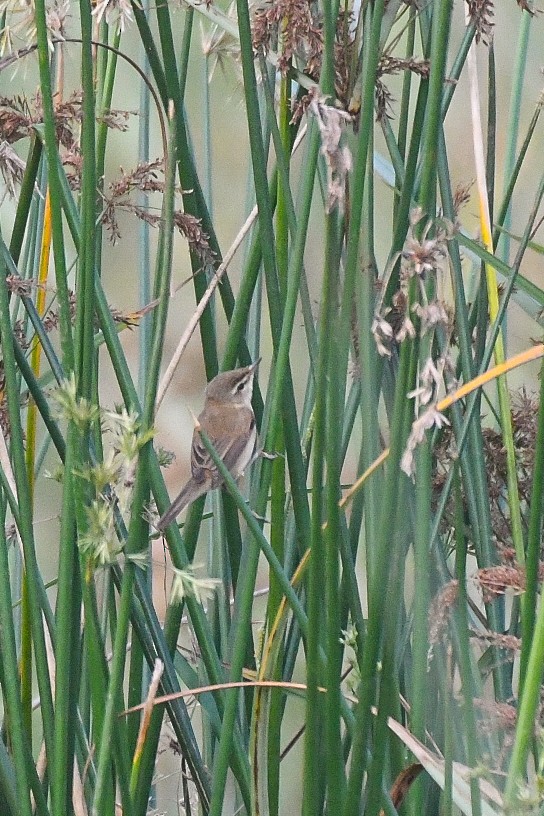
pixel 231 448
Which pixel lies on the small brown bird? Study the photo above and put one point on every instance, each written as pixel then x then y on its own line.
pixel 229 422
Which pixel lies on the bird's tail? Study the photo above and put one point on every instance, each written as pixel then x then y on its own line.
pixel 190 493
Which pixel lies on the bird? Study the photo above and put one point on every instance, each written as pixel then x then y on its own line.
pixel 229 423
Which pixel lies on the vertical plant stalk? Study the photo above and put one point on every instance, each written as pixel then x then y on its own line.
pixel 68 626
pixel 379 580
pixel 533 543
pixel 464 656
pixel 31 420
pixel 247 581
pixel 492 289
pixel 25 522
pixel 76 489
pixel 334 538
pixel 440 27
pixel 472 457
pixel 35 352
pixel 532 654
pixel 325 651
pixel 516 97
pixel 18 734
pixel 138 527
pixel 55 191
pixel 318 756
pixel 85 281
pixel 245 603
pixel 105 89
pixel 278 497
pixel 178 552
pixel 282 415
pixel 139 671
pixel 61 761
pixel 193 198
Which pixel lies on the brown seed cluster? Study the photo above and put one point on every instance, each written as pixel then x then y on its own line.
pixel 148 177
pixel 300 29
pixel 524 423
pixel 19 115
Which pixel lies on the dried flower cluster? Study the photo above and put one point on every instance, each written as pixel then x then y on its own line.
pixel 295 30
pixel 423 255
pixel 147 178
pixel 221 47
pixel 190 227
pixel 420 258
pixel 390 65
pixel 501 719
pixel 19 115
pixel 112 479
pixel 429 418
pixel 494 581
pixel 508 576
pixel 19 26
pixel 344 46
pixel 481 13
pixel 524 423
pixel 416 307
pixel 493 717
pixel 117 13
pixel 21 287
pixel 186 584
pixel 12 168
pixel 439 614
pixel 300 31
pixel 144 178
pixel 337 155
pixel 506 642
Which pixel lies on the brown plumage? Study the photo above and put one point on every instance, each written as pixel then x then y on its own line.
pixel 229 423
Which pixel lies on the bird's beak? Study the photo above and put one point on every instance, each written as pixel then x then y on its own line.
pixel 255 365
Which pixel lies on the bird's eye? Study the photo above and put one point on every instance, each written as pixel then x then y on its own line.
pixel 241 385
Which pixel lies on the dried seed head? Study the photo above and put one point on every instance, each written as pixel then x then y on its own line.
pixel 116 12
pixel 331 122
